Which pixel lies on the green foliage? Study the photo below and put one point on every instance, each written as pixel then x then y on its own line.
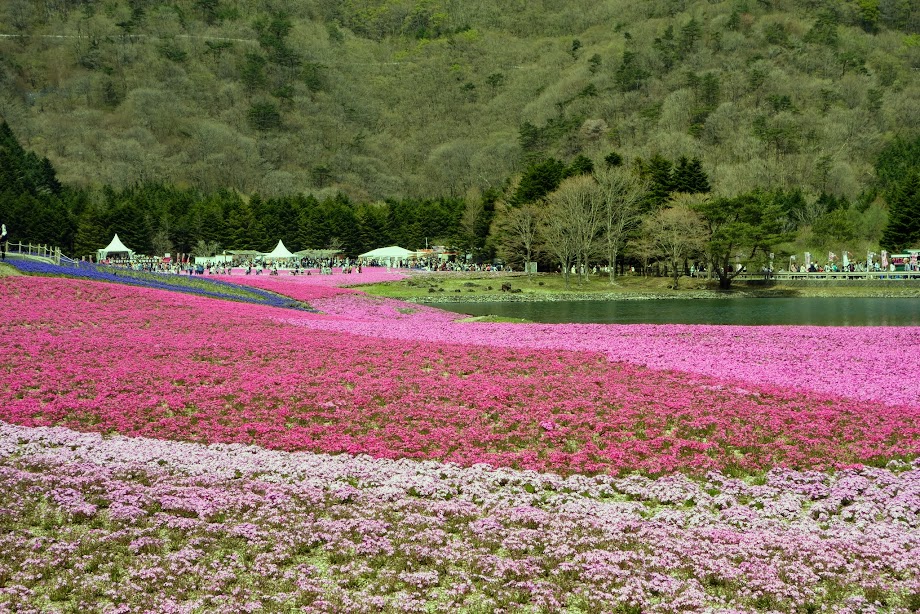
pixel 538 180
pixel 576 45
pixel 666 48
pixel 689 177
pixel 264 116
pixel 209 10
pixel 869 15
pixel 898 176
pixel 747 224
pixel 659 172
pixel 173 52
pixel 776 34
pixel 535 140
pixel 594 63
pixel 496 80
pixel 613 159
pixel 416 98
pixel 690 34
pixel 272 35
pixel 314 76
pixel 903 229
pixel 543 177
pixel 581 165
pixel 834 228
pixel 896 161
pixel 824 31
pixel 216 48
pixel 252 73
pixel 630 76
pixel 33 204
pixel 152 217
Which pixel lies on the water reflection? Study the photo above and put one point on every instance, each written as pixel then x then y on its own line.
pixel 744 311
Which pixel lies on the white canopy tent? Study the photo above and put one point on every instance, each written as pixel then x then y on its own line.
pixel 280 251
pixel 114 247
pixel 386 253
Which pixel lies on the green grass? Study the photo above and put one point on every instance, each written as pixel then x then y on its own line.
pixel 491 318
pixel 460 286
pixel 6 270
pixel 437 287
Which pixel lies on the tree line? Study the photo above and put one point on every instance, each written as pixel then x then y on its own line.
pixel 563 215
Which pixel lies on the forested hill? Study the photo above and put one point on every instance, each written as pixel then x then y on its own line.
pixel 422 98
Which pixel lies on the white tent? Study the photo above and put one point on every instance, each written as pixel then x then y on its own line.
pixel 280 251
pixel 114 247
pixel 383 253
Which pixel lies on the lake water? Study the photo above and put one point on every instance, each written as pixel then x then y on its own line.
pixel 744 311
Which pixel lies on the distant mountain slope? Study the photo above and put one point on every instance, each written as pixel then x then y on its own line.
pixel 396 98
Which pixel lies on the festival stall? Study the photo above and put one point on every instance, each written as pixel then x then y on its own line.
pixel 116 247
pixel 390 256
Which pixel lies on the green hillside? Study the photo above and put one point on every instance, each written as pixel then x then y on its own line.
pixel 422 98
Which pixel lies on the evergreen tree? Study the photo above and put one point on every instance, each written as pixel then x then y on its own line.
pixel 372 223
pixel 903 228
pixel 539 180
pixel 690 177
pixel 312 229
pixel 896 161
pixel 31 202
pixel 244 228
pixel 630 75
pixel 659 171
pixel 613 159
pixel 581 165
pixel 689 35
pixel 666 47
pixel 92 232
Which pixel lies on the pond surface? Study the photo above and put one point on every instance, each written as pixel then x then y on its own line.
pixel 743 311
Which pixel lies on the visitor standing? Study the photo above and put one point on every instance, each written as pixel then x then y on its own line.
pixel 3 241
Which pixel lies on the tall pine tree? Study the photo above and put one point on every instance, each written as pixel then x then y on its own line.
pixel 689 177
pixel 903 228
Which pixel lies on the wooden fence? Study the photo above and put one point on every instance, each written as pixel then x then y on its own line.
pixel 32 250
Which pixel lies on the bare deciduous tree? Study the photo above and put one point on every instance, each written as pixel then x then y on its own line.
pixel 205 249
pixel 470 221
pixel 677 233
pixel 161 242
pixel 577 205
pixel 558 240
pixel 622 192
pixel 517 232
pixel 644 250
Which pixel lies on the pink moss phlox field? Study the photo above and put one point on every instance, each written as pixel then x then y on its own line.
pixel 872 364
pixel 106 523
pixel 868 363
pixel 313 286
pixel 100 357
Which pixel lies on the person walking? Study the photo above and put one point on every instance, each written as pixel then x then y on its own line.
pixel 2 241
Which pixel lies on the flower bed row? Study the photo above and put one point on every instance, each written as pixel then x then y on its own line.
pixel 200 286
pixel 140 362
pixel 867 363
pixel 314 286
pixel 91 523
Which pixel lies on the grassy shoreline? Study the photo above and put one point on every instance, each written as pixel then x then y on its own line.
pixel 433 288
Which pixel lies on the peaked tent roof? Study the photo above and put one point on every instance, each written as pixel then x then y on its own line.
pixel 280 251
pixel 394 251
pixel 115 247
